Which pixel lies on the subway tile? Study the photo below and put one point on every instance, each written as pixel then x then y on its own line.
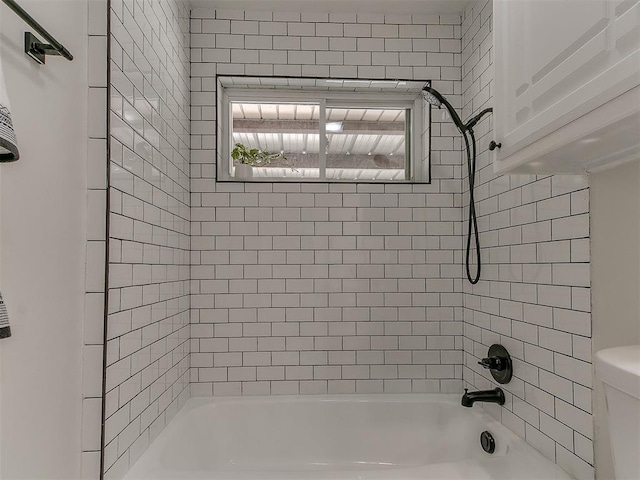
pixel 307 274
pixel 573 464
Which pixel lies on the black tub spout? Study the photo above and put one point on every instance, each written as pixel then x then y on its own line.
pixel 490 396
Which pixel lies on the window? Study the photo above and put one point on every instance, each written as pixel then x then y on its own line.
pixel 275 129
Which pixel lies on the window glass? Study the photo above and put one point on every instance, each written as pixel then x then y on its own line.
pixel 289 135
pixel 367 143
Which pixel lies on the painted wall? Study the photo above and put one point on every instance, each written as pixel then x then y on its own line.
pixel 324 288
pixel 615 233
pixel 534 296
pixel 43 233
pixel 149 245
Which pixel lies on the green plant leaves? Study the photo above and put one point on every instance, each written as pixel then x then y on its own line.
pixel 254 157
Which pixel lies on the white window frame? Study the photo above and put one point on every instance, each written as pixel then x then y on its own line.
pixel 417 161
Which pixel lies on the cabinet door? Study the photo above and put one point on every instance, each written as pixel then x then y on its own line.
pixel 557 60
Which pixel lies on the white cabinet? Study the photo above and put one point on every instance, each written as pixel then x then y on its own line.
pixel 567 84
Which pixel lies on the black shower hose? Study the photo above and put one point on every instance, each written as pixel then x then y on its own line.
pixel 473 219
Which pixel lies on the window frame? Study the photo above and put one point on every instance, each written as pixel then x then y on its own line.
pixel 412 103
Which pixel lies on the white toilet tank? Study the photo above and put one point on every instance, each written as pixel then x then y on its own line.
pixel 619 370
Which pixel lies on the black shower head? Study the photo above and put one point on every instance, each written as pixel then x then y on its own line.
pixel 435 98
pixel 431 98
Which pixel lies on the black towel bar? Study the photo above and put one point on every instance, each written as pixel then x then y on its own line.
pixel 36 50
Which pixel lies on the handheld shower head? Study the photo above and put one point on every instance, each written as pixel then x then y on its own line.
pixel 435 98
pixel 431 99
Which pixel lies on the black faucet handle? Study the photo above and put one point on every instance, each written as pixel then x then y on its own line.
pixel 498 362
pixel 493 363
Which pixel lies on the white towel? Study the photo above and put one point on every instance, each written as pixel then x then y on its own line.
pixel 8 142
pixel 5 329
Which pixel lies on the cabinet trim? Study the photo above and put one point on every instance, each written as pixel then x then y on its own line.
pixel 624 108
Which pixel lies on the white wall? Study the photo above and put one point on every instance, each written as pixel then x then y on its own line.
pixel 615 247
pixel 43 231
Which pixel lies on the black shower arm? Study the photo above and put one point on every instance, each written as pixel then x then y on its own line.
pixel 473 121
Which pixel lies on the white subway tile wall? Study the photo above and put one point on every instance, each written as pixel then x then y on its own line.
pixel 324 288
pixel 149 245
pixel 534 295
pixel 290 288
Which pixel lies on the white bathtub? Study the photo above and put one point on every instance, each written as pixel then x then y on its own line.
pixel 337 437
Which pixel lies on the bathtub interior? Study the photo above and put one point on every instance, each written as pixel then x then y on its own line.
pixel 323 434
pixel 351 437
